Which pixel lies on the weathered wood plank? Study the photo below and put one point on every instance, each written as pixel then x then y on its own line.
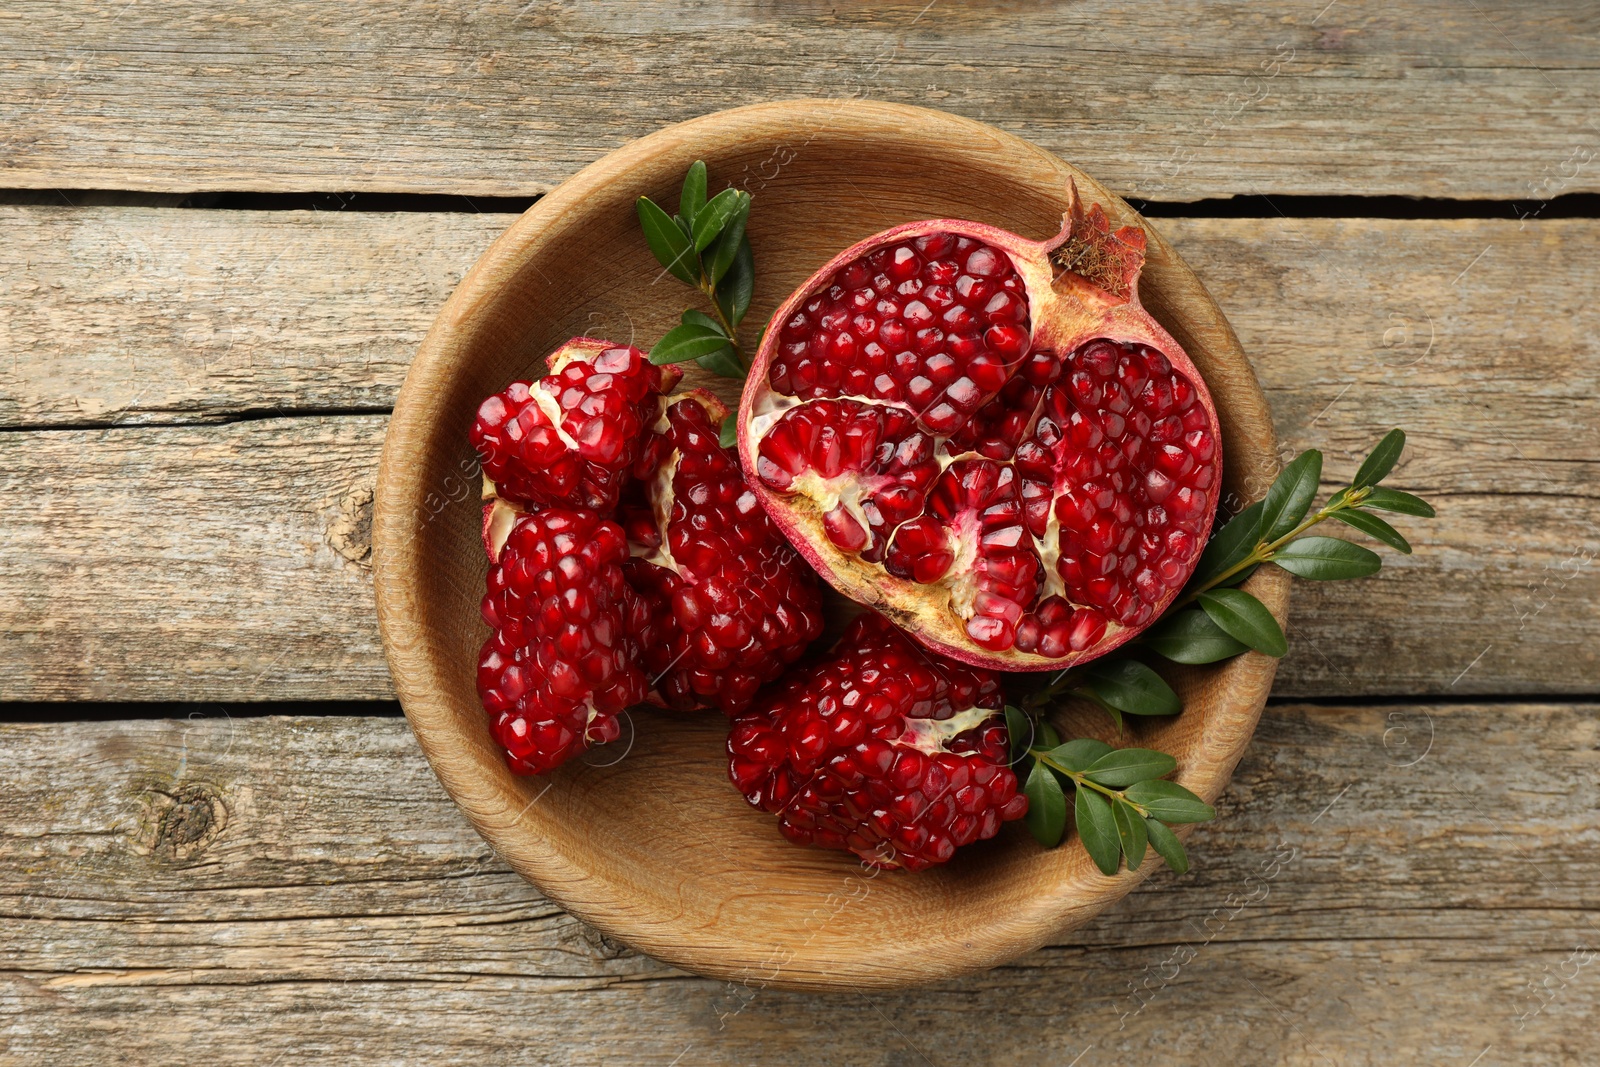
pixel 139 315
pixel 1174 101
pixel 225 889
pixel 191 563
pixel 1477 336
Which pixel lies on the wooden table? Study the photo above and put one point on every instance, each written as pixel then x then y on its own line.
pixel 218 841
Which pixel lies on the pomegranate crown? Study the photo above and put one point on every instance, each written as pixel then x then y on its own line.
pixel 1090 255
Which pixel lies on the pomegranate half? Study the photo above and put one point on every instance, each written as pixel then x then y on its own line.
pixel 987 438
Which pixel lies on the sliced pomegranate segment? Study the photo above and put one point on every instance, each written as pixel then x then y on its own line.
pixel 560 664
pixel 987 438
pixel 732 604
pixel 881 749
pixel 571 436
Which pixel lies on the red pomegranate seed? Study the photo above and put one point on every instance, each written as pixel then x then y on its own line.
pixel 570 437
pixel 560 664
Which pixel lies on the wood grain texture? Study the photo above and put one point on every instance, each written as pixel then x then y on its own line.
pixel 1479 337
pixel 205 563
pixel 1173 101
pixel 139 315
pixel 1383 885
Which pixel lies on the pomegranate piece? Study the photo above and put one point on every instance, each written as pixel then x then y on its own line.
pixel 561 663
pixel 731 602
pixel 571 437
pixel 987 438
pixel 880 749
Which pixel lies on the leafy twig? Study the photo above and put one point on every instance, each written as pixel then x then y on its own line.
pixel 1212 620
pixel 704 245
pixel 1123 802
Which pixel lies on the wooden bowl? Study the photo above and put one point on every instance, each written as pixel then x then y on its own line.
pixel 649 842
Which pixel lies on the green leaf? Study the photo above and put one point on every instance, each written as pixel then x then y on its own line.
pixel 700 318
pixel 1048 736
pixel 1125 766
pixel 713 217
pixel 1394 500
pixel 727 245
pixel 737 286
pixel 1128 685
pixel 1191 637
pixel 689 341
pixel 1369 523
pixel 1047 806
pixel 667 241
pixel 1097 828
pixel 728 435
pixel 1167 845
pixel 693 196
pixel 722 362
pixel 1131 832
pixel 1326 559
pixel 1381 461
pixel 1019 730
pixel 1078 755
pixel 1291 495
pixel 1169 801
pixel 1244 618
pixel 1231 545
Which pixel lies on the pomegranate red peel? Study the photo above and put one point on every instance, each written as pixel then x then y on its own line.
pixel 987 438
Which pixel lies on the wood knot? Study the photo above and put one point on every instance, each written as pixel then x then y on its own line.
pixel 350 533
pixel 181 822
pixel 601 946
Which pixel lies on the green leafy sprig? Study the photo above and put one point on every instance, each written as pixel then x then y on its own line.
pixel 1123 802
pixel 704 245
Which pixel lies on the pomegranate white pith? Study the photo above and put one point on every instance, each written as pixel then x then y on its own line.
pixel 987 438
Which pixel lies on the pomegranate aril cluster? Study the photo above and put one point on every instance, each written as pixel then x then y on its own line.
pixel 936 323
pixel 733 603
pixel 561 662
pixel 879 749
pixel 631 560
pixel 572 436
